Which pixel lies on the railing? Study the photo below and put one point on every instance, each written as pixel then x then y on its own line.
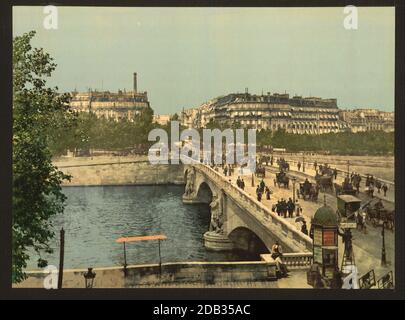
pixel 297 260
pixel 281 228
pixel 340 171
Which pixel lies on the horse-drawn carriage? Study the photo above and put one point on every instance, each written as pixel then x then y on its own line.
pixel 261 172
pixel 283 165
pixel 265 159
pixel 377 216
pixel 324 182
pixel 308 191
pixel 282 179
pixel 325 170
pixel 345 188
pixel 348 208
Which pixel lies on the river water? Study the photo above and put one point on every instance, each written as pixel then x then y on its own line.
pixel 96 216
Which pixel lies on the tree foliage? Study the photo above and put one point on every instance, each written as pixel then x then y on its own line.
pixel 343 143
pixel 37 112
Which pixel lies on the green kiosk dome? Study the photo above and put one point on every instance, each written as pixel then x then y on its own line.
pixel 325 216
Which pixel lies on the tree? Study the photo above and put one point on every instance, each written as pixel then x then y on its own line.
pixel 175 117
pixel 37 193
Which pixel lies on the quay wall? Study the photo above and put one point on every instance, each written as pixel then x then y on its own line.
pixel 149 275
pixel 104 171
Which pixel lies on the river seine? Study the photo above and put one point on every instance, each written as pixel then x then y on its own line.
pixel 96 216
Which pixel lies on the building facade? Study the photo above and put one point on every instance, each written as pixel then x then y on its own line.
pixel 311 115
pixel 363 120
pixel 117 106
pixel 161 119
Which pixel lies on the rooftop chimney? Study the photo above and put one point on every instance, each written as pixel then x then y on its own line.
pixel 135 83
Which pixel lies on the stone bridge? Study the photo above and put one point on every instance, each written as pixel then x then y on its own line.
pixel 238 221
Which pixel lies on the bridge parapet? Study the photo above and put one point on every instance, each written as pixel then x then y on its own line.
pixel 300 260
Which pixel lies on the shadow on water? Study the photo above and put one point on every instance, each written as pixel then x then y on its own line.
pixel 96 216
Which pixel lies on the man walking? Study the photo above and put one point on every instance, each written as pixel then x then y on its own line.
pixel 290 208
pixel 242 184
pixel 268 193
pixel 385 189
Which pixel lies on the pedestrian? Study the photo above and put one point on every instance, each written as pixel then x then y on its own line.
pixel 259 194
pixel 337 281
pixel 299 166
pixel 278 208
pixel 290 208
pixel 226 171
pixel 378 186
pixel 268 193
pixel 315 165
pixel 304 228
pixel 311 231
pixel 262 185
pixel 238 182
pixel 284 208
pixel 297 208
pixel 364 215
pixel 385 189
pixel 360 222
pixel 276 254
pixel 242 184
pixel 371 190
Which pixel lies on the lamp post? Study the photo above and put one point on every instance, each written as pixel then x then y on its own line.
pixel 303 162
pixel 89 278
pixel 383 253
pixel 294 180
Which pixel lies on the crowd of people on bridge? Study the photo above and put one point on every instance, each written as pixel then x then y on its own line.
pixel 373 183
pixel 240 183
pixel 292 209
pixel 263 189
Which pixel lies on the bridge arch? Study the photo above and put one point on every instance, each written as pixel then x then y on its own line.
pixel 245 239
pixel 204 193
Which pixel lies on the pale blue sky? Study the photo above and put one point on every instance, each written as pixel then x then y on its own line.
pixel 185 56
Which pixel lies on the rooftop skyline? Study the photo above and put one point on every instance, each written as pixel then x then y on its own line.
pixel 186 56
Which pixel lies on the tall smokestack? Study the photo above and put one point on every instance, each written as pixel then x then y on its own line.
pixel 135 83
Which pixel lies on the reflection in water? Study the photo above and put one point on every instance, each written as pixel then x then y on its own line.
pixel 96 216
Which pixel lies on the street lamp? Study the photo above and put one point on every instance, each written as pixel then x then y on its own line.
pixel 303 162
pixel 383 253
pixel 89 278
pixel 294 180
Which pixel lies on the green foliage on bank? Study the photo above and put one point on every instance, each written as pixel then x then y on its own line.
pixel 344 143
pixel 89 132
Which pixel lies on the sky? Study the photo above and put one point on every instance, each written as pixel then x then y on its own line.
pixel 186 56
